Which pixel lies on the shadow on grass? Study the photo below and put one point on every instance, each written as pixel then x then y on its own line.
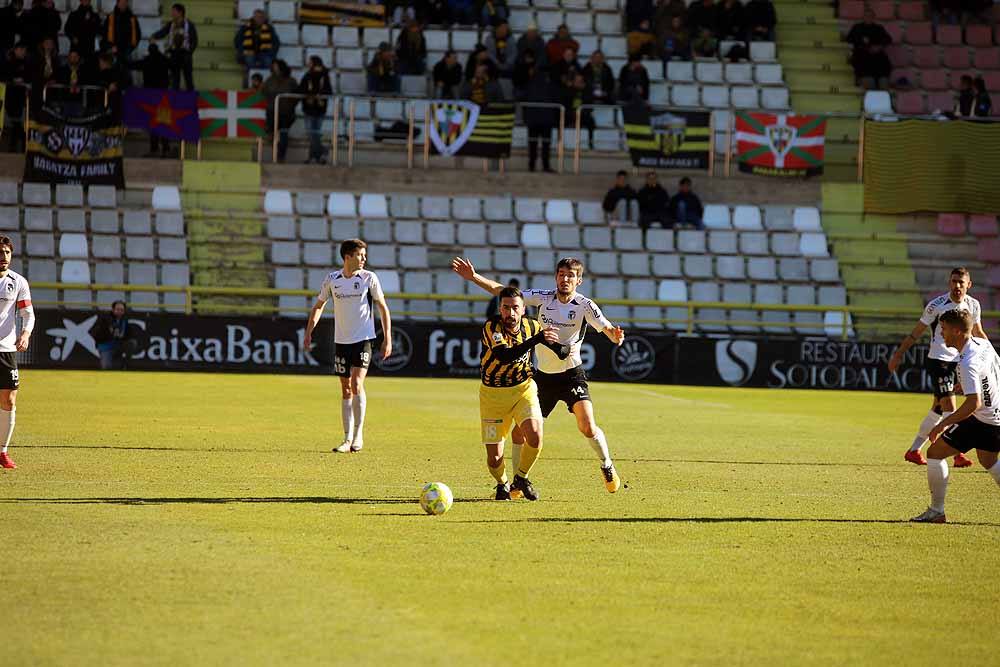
pixel 294 500
pixel 712 519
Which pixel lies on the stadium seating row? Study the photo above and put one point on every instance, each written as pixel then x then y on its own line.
pixel 943 79
pixel 954 224
pixel 888 10
pixel 922 33
pixel 951 57
pixel 40 194
pixel 104 246
pixel 104 221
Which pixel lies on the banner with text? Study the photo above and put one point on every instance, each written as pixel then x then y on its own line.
pixel 668 138
pixel 770 144
pixel 83 150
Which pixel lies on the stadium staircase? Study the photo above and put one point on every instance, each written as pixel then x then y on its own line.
pixel 819 77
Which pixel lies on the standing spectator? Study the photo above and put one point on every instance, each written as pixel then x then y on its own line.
pixel 71 77
pixel 633 81
pixel 10 25
pixel 531 40
pixel 111 78
pixel 121 33
pixel 620 191
pixel 761 19
pixel 480 56
pixel 703 16
pixel 463 12
pixel 83 27
pixel 493 12
pixel 278 83
pixel 600 79
pixel 675 42
pixel 256 42
pixel 637 11
pixel 563 71
pixel 314 85
pixel 39 23
pixel 182 40
pixel 502 50
pixel 18 73
pixel 481 89
pixel 493 307
pixel 575 96
pixel 383 77
pixel 411 50
pixel 868 57
pixel 155 70
pixel 540 120
pixel 654 204
pixel 966 97
pixel 685 207
pixel 556 47
pixel 642 41
pixel 984 105
pixel 114 339
pixel 664 15
pixel 47 64
pixel 524 70
pixel 705 45
pixel 447 77
pixel 731 21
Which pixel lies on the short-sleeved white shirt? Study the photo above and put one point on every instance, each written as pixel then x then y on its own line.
pixel 14 294
pixel 979 371
pixel 933 312
pixel 353 302
pixel 571 319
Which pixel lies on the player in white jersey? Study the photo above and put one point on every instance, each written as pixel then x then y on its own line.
pixel 976 424
pixel 355 293
pixel 941 362
pixel 563 378
pixel 15 296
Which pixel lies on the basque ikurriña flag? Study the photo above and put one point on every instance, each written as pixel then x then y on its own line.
pixel 232 113
pixel 780 144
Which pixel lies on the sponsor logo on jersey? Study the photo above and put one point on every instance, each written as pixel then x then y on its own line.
pixel 735 360
pixel 635 359
pixel 402 353
pixel 571 315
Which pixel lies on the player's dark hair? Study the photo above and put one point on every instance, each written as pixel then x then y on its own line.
pixel 115 303
pixel 6 242
pixel 510 293
pixel 961 271
pixel 958 317
pixel 350 246
pixel 513 282
pixel 622 172
pixel 685 181
pixel 571 263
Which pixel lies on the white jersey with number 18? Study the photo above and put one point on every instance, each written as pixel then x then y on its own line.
pixel 979 371
pixel 571 319
pixel 353 298
pixel 933 312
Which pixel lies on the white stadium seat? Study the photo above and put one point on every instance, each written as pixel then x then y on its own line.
pixel 278 202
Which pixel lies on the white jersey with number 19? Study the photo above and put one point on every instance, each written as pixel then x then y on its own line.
pixel 571 319
pixel 979 371
pixel 353 298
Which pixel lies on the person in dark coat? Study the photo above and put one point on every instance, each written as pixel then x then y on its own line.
pixel 703 16
pixel 620 191
pixel 575 96
pixel 760 19
pixel 532 41
pixel 155 70
pixel 280 82
pixel 868 57
pixel 447 76
pixel 654 203
pixel 314 85
pixel 19 72
pixel 983 107
pixel 600 79
pixel 40 22
pixel 411 50
pixel 71 77
pixel 182 40
pixel 114 337
pixel 540 120
pixel 121 33
pixel 685 207
pixel 637 11
pixel 731 21
pixel 633 80
pixel 10 25
pixel 383 73
pixel 83 26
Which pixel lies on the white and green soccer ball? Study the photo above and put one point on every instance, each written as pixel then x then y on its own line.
pixel 436 498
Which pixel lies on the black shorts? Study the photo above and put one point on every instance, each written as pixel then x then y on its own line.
pixel 944 375
pixel 8 370
pixel 970 433
pixel 569 386
pixel 348 355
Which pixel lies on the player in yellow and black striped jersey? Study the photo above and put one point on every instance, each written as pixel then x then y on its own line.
pixel 508 395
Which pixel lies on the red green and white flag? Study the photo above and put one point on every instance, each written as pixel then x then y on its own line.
pixel 780 144
pixel 232 113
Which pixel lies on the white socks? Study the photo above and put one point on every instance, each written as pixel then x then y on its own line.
pixel 930 421
pixel 600 446
pixel 347 415
pixel 995 472
pixel 937 480
pixel 358 405
pixel 6 427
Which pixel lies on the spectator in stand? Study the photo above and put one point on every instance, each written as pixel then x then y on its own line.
pixel 537 88
pixel 383 77
pixel 114 338
pixel 256 82
pixel 556 47
pixel 480 56
pixel 40 22
pixel 637 11
pixel 280 82
pixel 868 57
pixel 703 16
pixel 575 96
pixel 977 11
pixel 315 85
pixel 71 77
pixel 685 207
pixel 600 79
pixel 432 12
pixel 447 77
pixel 966 102
pixel 523 71
pixel 182 40
pixel 10 25
pixel 48 63
pixel 761 19
pixel 411 50
pixel 654 204
pixel 705 45
pixel 731 21
pixel 675 42
pixel 566 69
pixel 18 73
pixel 481 89
pixel 83 26
pixel 663 17
pixel 984 105
pixel 493 12
pixel 121 33
pixel 620 191
pixel 532 41
pixel 946 11
pixel 463 12
pixel 642 41
pixel 256 42
pixel 633 81
pixel 112 78
pixel 502 50
pixel 155 70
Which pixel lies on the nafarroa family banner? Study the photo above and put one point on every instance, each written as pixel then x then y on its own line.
pixel 82 150
pixel 780 144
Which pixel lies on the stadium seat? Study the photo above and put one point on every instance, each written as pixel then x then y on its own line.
pixel 499 209
pixel 413 257
pixel 763 51
pixel 602 263
pixel 278 202
pixel 935 79
pixel 979 36
pixel 949 35
pixel 105 247
pixel 658 94
pixel 531 210
pixel 169 223
pixel 774 98
pixel 641 290
pixel 508 259
pixel 730 267
pixel 911 102
pixel 350 58
pixel 983 225
pixel 911 11
pixel 139 247
pixel 539 261
pixel 341 230
pixel 708 72
pixel 609 288
pixel 373 206
pixel 36 194
pixel 691 241
pixel 806 219
pixel 667 266
pixel 924 56
pixel 697 266
pixel 762 268
pixel 628 238
pixel 69 195
pixel 314 35
pixel 744 97
pixel 321 254
pixel 289 278
pixel 310 203
pixel 769 74
pixel 634 264
pixel 111 273
pixel 166 198
pixel 680 71
pixel 919 34
pixel 285 252
pixel 409 233
pixel 951 224
pixel 851 10
pixel 941 101
pixel 565 237
pixel 986 58
pixel 318 229
pixel 471 234
pixel 597 238
pixel 723 242
pixel 341 205
pixel 38 219
pixel 104 221
pixel 75 271
pixel 557 211
pixel 466 208
pixel 739 73
pixel 588 213
pixel 481 258
pixel 660 240
pixel 137 222
pixel 171 249
pixel 988 251
pixel 814 244
pixel 824 270
pixel 73 246
pixel 716 216
pixel 793 269
pixel 747 218
pixel 684 95
pixel 833 324
pixel 10 218
pixel 8 192
pixel 784 244
pixel 957 57
pixel 754 243
pixel 828 295
pixel 405 206
pixel 535 236
pixel 503 234
pixel 877 101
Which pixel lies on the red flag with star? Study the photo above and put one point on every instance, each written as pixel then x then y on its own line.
pixel 171 114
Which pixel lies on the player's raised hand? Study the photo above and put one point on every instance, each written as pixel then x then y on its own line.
pixel 463 267
pixel 551 335
pixel 22 341
pixel 617 335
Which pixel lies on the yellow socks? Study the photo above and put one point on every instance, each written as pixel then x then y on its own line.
pixel 529 455
pixel 500 472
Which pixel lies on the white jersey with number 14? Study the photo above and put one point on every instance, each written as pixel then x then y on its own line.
pixel 571 320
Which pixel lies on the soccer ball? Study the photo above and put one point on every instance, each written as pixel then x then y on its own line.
pixel 436 498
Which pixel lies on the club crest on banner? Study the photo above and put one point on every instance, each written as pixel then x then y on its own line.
pixel 669 132
pixel 452 123
pixel 780 138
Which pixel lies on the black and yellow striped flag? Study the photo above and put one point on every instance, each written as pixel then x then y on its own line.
pixel 668 139
pixel 462 128
pixel 357 14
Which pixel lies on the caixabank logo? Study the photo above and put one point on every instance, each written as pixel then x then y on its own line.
pixel 634 359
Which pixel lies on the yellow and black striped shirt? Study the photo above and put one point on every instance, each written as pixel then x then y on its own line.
pixel 502 363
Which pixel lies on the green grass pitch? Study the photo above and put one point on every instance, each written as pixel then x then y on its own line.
pixel 201 519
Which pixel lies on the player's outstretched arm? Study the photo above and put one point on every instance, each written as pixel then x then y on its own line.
pixel 314 315
pixel 972 403
pixel 383 312
pixel 464 268
pixel 615 334
pixel 27 325
pixel 908 342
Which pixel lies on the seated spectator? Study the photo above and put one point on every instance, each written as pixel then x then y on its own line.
pixel 600 79
pixel 411 50
pixel 114 338
pixel 535 87
pixel 315 85
pixel 71 77
pixel 120 33
pixel 281 82
pixel 447 77
pixel 575 96
pixel 637 11
pixel 703 16
pixel 256 42
pixel 675 42
pixel 946 11
pixel 256 82
pixel 642 41
pixel 182 40
pixel 705 45
pixel 654 204
pixel 556 47
pixel 480 56
pixel 493 12
pixel 111 78
pixel 481 89
pixel 760 20
pixel 502 50
pixel 493 307
pixel 633 81
pixel 663 17
pixel 383 77
pixel 731 21
pixel 47 63
pixel 531 40
pixel 868 57
pixel 83 25
pixel 563 72
pixel 463 12
pixel 966 102
pixel 685 207
pixel 620 191
pixel 40 22
pixel 429 12
pixel 984 105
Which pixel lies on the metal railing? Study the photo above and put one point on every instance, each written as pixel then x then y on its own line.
pixel 83 90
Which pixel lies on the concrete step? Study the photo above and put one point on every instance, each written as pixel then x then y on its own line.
pixel 807 57
pixel 826 102
pixel 202 12
pixel 813 41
